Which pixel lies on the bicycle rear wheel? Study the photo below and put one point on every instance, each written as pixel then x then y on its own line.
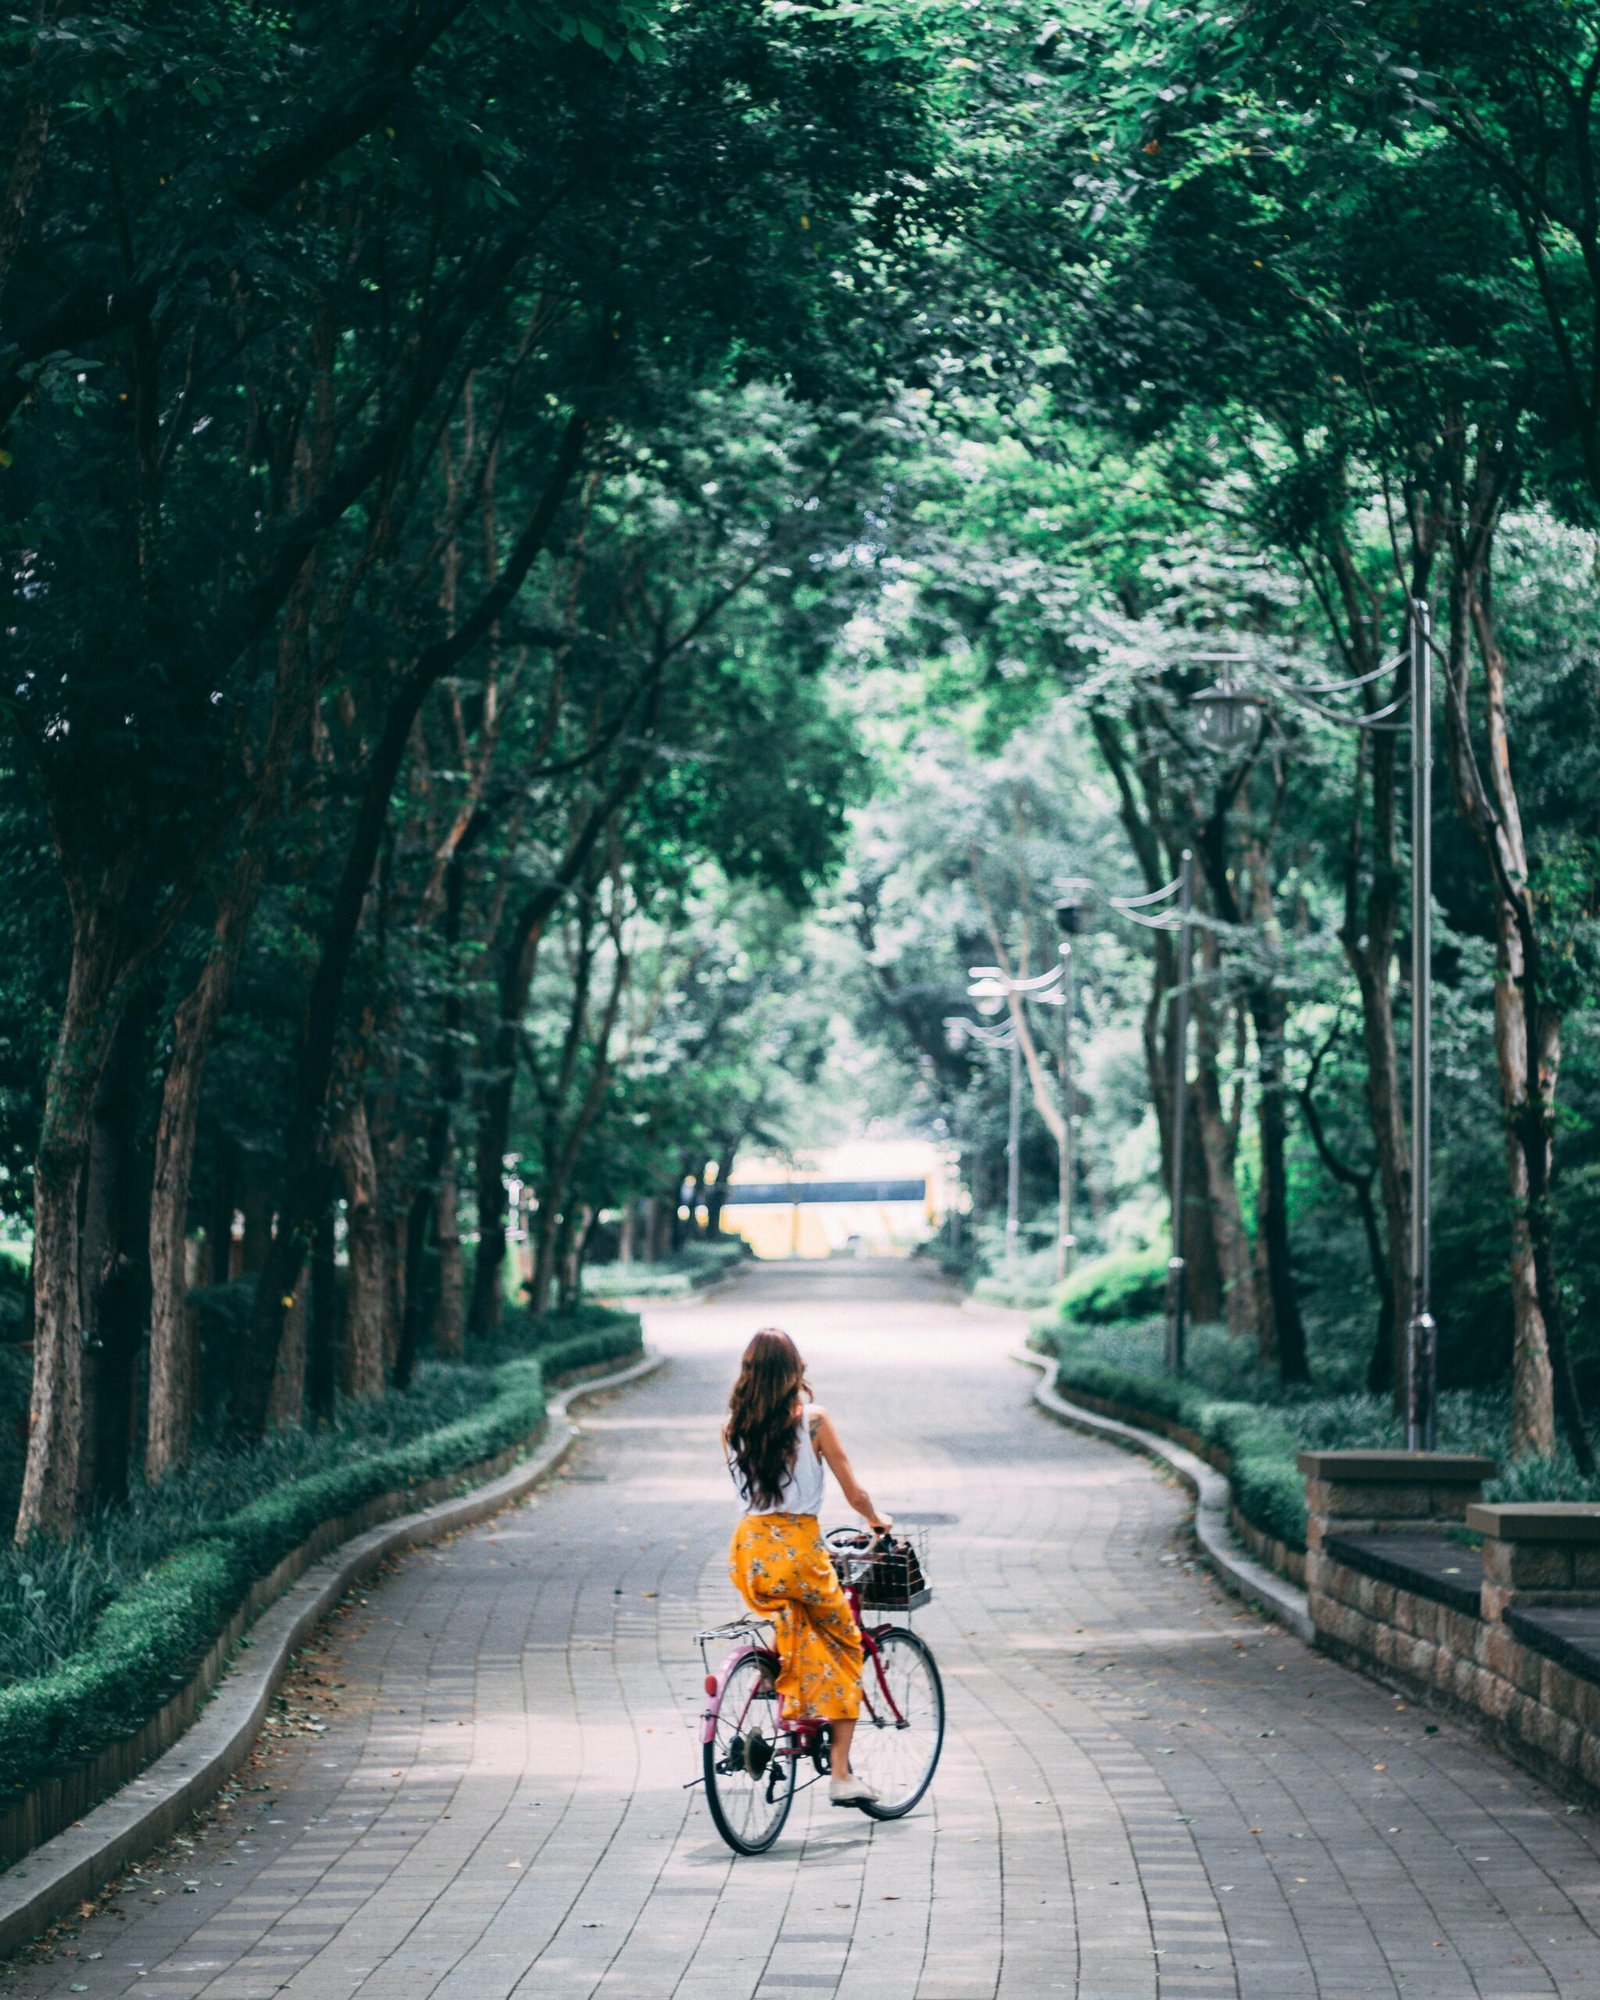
pixel 901 1728
pixel 749 1783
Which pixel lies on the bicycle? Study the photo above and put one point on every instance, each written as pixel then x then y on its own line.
pixel 751 1751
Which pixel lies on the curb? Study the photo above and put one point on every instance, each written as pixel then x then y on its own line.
pixel 64 1871
pixel 1283 1602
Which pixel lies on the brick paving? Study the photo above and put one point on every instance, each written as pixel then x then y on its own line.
pixel 1146 1793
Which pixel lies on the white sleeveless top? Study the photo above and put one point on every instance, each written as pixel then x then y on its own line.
pixel 802 1487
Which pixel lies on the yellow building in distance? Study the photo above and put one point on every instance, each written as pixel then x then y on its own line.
pixel 867 1197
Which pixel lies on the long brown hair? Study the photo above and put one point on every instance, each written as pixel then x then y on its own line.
pixel 761 1433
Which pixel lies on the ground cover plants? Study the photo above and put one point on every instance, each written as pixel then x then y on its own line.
pixel 689 1269
pixel 97 1633
pixel 1229 1399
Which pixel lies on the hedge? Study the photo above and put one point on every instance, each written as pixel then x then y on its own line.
pixel 147 1641
pixel 1267 1487
pixel 691 1269
pixel 1127 1284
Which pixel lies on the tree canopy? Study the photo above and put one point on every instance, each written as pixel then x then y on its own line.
pixel 562 559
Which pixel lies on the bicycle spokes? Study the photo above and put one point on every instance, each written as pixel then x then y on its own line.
pixel 901 1728
pixel 749 1782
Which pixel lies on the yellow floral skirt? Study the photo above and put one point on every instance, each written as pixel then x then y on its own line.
pixel 783 1572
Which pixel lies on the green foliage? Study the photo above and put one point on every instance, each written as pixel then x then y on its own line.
pixel 1261 1449
pixel 1030 1283
pixel 1126 1285
pixel 138 1648
pixel 690 1269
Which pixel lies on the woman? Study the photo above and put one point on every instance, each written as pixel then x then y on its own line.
pixel 777 1442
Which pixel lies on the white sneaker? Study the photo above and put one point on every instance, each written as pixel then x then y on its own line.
pixel 850 1792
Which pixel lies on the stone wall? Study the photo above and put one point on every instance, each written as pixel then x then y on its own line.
pixel 1492 1613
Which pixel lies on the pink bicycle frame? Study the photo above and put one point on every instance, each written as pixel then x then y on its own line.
pixel 804 1730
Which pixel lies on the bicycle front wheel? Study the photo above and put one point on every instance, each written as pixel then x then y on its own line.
pixel 749 1780
pixel 901 1729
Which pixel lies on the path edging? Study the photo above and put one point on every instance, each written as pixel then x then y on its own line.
pixel 74 1865
pixel 1283 1602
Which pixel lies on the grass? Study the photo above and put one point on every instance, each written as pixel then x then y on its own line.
pixel 96 1634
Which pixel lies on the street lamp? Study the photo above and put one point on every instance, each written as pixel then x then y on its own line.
pixel 1225 712
pixel 1422 1332
pixel 1069 918
pixel 992 987
pixel 1179 917
pixel 958 1031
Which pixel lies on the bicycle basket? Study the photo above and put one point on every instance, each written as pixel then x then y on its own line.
pixel 892 1579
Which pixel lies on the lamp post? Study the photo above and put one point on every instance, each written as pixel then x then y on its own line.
pixel 1177 917
pixel 1422 1332
pixel 1069 915
pixel 958 1031
pixel 1177 1268
pixel 993 987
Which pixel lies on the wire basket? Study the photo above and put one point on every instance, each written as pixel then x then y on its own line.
pixel 889 1579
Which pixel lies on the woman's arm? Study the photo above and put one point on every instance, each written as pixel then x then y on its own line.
pixel 833 1452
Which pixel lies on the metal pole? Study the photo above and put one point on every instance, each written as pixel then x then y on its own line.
pixel 1422 1333
pixel 1013 1153
pixel 1064 1240
pixel 1177 1271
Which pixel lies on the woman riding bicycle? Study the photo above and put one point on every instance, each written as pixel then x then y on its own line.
pixel 777 1442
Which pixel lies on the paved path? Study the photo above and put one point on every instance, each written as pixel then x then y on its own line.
pixel 1145 1792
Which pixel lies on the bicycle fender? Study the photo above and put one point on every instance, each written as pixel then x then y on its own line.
pixel 708 1715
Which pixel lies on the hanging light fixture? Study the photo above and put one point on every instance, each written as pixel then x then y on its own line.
pixel 1224 712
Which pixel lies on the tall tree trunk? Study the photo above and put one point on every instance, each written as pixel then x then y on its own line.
pixel 308 1165
pixel 1360 1186
pixel 394 1290
pixel 324 1338
pixel 572 1256
pixel 493 1144
pixel 287 1408
pixel 114 1274
pixel 1218 1149
pixel 367 1295
pixel 255 1206
pixel 194 1029
pixel 1527 1027
pixel 172 1356
pixel 88 1021
pixel 1386 1114
pixel 717 1197
pixel 449 1313
pixel 1373 891
pixel 1269 1018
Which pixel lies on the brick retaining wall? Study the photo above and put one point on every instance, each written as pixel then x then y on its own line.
pixel 1507 1639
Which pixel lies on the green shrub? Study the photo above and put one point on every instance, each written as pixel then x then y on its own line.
pixel 16 1388
pixel 145 1643
pixel 1232 1401
pixel 687 1270
pixel 13 1292
pixel 638 1281
pixel 222 1333
pixel 716 1254
pixel 521 1332
pixel 1030 1281
pixel 1129 1284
